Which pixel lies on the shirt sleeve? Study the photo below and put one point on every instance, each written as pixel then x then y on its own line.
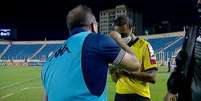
pixel 149 59
pixel 110 50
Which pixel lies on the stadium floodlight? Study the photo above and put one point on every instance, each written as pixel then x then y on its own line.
pixel 5 32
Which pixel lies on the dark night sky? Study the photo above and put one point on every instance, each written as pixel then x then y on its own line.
pixel 37 19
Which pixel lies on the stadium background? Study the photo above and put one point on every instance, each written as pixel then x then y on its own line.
pixel 21 61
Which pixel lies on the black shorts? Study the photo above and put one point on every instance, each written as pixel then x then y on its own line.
pixel 130 97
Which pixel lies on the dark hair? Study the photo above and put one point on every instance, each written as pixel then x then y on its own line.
pixel 123 20
pixel 79 16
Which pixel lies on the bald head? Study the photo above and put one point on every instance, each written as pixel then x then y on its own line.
pixel 80 16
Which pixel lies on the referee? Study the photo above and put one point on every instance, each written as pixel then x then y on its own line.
pixel 134 86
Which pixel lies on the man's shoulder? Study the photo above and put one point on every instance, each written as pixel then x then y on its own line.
pixel 100 38
pixel 145 45
pixel 143 42
pixel 99 35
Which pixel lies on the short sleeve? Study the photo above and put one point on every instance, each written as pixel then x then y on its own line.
pixel 149 58
pixel 110 50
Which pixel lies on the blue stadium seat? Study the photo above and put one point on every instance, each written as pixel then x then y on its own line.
pixel 2 47
pixel 21 51
pixel 47 50
pixel 175 46
pixel 160 43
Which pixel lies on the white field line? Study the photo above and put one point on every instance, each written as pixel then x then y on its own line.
pixel 28 88
pixel 23 89
pixel 7 95
pixel 17 83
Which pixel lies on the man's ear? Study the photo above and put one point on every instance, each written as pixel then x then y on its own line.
pixel 92 27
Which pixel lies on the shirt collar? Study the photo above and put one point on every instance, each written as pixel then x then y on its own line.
pixel 76 31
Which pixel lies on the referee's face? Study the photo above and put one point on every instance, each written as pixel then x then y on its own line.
pixel 123 30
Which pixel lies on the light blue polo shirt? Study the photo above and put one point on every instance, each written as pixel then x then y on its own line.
pixel 78 70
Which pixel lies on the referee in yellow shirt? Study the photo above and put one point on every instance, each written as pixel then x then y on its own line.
pixel 134 86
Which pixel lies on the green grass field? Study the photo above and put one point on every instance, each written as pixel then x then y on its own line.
pixel 24 84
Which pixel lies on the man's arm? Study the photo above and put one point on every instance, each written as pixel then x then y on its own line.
pixel 129 61
pixel 175 80
pixel 172 85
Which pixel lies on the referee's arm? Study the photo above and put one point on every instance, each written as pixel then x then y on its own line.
pixel 148 76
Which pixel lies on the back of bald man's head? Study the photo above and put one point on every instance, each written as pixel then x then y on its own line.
pixel 79 16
